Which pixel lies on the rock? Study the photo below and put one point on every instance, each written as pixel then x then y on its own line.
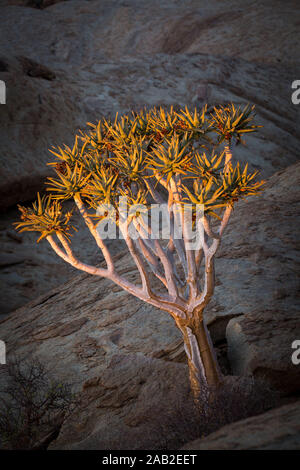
pixel 260 344
pixel 10 260
pixel 33 69
pixel 108 57
pixel 278 429
pixel 32 3
pixel 123 357
pixel 3 65
pixel 29 269
pixel 31 122
pixel 114 29
pixel 261 287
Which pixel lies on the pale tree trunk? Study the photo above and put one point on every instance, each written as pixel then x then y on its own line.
pixel 204 370
pixel 228 153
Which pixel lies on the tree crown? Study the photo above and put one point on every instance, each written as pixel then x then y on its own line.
pixel 137 153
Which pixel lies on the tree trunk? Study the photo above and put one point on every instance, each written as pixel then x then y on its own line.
pixel 228 153
pixel 228 156
pixel 204 370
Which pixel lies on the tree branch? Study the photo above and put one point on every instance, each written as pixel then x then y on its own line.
pixel 159 251
pixel 70 258
pixel 94 232
pixel 136 257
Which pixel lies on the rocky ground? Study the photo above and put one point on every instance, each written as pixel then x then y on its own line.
pixel 79 60
pixel 278 429
pixel 82 59
pixel 28 269
pixel 126 359
pixel 58 81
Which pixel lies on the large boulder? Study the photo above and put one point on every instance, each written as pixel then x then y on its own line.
pixel 46 106
pixel 52 110
pixel 40 112
pixel 278 429
pixel 93 29
pixel 97 58
pixel 257 286
pixel 124 357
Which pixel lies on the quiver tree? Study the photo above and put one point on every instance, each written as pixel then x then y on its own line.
pixel 118 171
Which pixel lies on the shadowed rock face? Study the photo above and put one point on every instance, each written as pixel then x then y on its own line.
pixel 278 429
pixel 43 111
pixel 99 57
pixel 126 358
pixel 37 115
pixel 116 56
pixel 90 30
pixel 32 3
pixel 50 111
pixel 257 268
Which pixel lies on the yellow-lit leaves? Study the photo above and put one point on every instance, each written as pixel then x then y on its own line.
pixel 102 187
pixel 135 196
pixel 191 122
pixel 207 193
pixel 68 157
pixel 239 184
pixel 172 157
pixel 130 161
pixel 161 123
pixel 223 189
pixel 116 157
pixel 229 121
pixel 206 168
pixel 44 216
pixel 68 183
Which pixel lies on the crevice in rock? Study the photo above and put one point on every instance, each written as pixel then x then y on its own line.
pixel 34 69
pixel 217 327
pixel 221 348
pixel 44 299
pixel 40 4
pixel 3 65
pixel 45 442
pixel 286 382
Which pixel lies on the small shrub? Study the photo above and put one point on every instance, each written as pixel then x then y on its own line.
pixel 236 400
pixel 33 406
